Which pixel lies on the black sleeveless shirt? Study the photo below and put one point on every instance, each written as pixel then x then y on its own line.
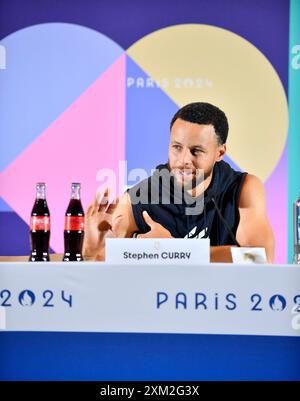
pixel 224 190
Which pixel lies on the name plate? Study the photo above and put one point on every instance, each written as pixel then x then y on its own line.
pixel 157 251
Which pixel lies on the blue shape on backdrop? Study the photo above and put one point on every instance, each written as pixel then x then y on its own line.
pixel 4 207
pixel 14 234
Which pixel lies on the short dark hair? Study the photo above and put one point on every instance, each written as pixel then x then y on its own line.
pixel 204 113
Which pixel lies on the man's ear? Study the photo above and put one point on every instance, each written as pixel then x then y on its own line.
pixel 221 152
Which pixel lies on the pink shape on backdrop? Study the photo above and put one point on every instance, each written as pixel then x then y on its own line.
pixel 276 192
pixel 86 137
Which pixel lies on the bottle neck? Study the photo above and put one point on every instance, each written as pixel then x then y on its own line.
pixel 40 192
pixel 75 193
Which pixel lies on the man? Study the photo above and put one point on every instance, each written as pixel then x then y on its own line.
pixel 231 210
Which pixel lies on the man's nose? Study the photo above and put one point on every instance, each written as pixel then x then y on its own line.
pixel 186 157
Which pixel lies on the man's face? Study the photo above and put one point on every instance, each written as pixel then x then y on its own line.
pixel 193 151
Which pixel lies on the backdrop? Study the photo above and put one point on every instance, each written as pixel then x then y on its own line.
pixel 85 85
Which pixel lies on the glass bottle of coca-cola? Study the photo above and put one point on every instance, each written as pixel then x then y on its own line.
pixel 40 226
pixel 74 226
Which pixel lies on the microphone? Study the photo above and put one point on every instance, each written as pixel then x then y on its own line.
pixel 232 236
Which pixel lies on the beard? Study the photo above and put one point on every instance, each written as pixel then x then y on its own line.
pixel 188 179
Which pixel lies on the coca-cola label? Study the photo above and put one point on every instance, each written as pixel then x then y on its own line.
pixel 38 223
pixel 74 223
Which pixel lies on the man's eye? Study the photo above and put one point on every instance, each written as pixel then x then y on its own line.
pixel 177 147
pixel 196 152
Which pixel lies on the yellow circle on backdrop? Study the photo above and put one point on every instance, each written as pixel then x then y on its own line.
pixel 194 62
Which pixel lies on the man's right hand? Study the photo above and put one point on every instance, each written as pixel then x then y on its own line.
pixel 98 226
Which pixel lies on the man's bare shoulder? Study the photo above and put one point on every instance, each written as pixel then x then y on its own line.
pixel 254 227
pixel 252 193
